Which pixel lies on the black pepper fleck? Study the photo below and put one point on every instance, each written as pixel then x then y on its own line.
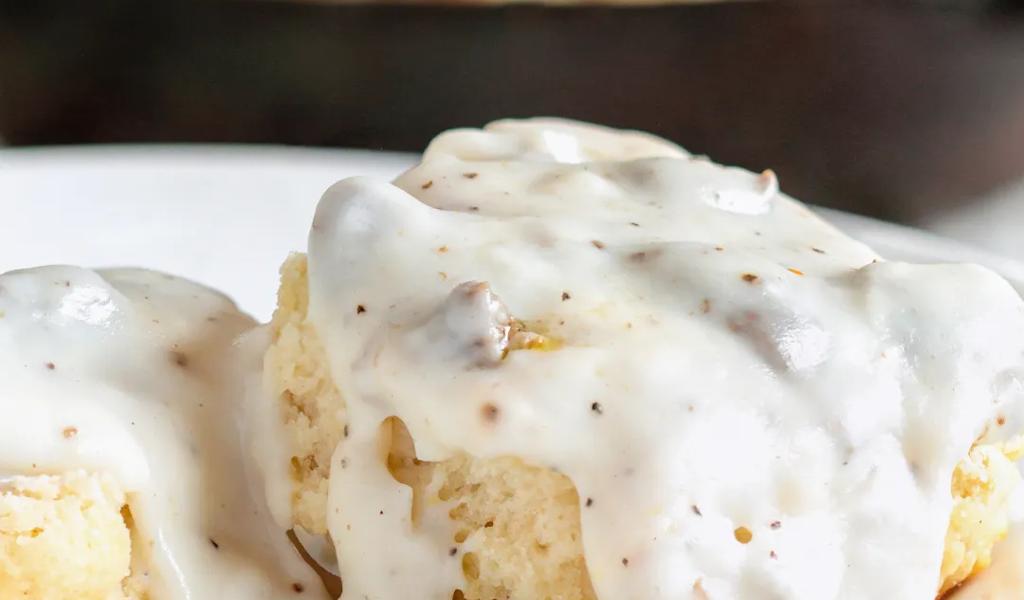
pixel 625 562
pixel 634 223
pixel 298 588
pixel 179 359
pixel 382 512
pixel 565 296
pixel 696 510
pixel 51 366
pixel 750 278
pixel 214 543
pixel 360 309
pixel 489 412
pixel 818 250
pixel 590 502
pixel 345 431
pixel 597 244
pixel 775 524
pixel 453 551
pixel 772 554
pixel 470 175
pixel 597 408
pixel 474 208
pixel 427 185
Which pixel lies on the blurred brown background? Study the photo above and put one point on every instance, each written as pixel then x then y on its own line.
pixel 889 109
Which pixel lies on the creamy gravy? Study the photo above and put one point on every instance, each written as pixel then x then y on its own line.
pixel 756 406
pixel 141 366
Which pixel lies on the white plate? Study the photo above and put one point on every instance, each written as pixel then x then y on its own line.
pixel 227 215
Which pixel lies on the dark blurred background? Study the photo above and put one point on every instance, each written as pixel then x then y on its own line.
pixel 890 109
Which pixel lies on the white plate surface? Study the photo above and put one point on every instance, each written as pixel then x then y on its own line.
pixel 227 215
